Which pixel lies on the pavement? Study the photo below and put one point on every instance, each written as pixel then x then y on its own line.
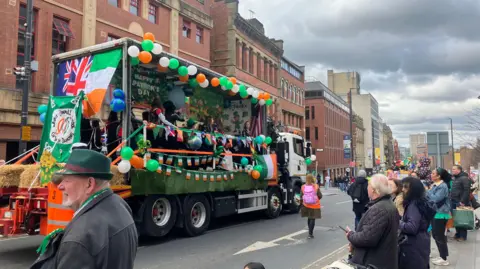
pixel 231 242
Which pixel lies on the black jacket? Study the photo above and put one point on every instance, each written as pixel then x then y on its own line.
pixel 359 206
pixel 461 188
pixel 376 240
pixel 102 236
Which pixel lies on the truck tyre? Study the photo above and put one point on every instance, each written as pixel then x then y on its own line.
pixel 294 206
pixel 274 203
pixel 197 215
pixel 159 216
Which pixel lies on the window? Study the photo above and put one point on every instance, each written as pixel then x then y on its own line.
pixel 115 3
pixel 186 29
pixel 307 113
pixel 298 145
pixel 152 13
pixel 316 133
pixel 22 21
pixel 313 112
pixel 134 6
pixel 61 32
pixel 199 35
pixel 112 37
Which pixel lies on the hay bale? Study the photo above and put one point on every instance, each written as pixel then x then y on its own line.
pixel 28 175
pixel 118 178
pixel 10 175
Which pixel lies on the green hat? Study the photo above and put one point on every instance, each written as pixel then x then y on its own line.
pixel 85 162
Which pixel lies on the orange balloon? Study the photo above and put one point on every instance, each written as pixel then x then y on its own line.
pixel 255 174
pixel 136 162
pixel 201 78
pixel 145 57
pixel 233 80
pixel 231 93
pixel 215 82
pixel 184 78
pixel 161 68
pixel 149 36
pixel 266 96
pixel 260 96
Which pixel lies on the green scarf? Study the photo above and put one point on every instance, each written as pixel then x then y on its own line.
pixel 43 246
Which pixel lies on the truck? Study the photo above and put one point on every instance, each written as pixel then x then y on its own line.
pixel 202 166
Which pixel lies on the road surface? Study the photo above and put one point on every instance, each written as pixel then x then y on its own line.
pixel 231 243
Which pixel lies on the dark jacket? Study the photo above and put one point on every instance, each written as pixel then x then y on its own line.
pixel 461 188
pixel 375 241
pixel 101 236
pixel 415 252
pixel 359 207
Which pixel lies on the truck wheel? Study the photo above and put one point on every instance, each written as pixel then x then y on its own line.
pixel 295 206
pixel 159 216
pixel 274 204
pixel 197 215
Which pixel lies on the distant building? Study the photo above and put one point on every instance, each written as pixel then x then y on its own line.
pixel 341 83
pixel 327 121
pixel 359 142
pixel 388 145
pixel 415 140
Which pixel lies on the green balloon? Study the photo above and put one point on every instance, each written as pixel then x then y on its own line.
pixel 139 137
pixel 244 161
pixel 242 88
pixel 258 168
pixel 147 45
pixel 254 100
pixel 127 153
pixel 182 71
pixel 193 83
pixel 174 63
pixel 134 61
pixel 269 102
pixel 259 140
pixel 308 161
pixel 42 109
pixel 268 140
pixel 152 165
pixel 224 81
pixel 243 94
pixel 229 85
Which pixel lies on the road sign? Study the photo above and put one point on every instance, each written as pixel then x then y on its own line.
pixel 438 143
pixel 26 133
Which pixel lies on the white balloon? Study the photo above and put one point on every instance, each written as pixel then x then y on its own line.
pixel 133 51
pixel 157 49
pixel 124 166
pixel 223 88
pixel 250 91
pixel 313 158
pixel 261 102
pixel 192 70
pixel 263 137
pixel 164 62
pixel 204 84
pixel 255 94
pixel 235 88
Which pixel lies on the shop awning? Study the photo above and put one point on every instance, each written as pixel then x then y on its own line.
pixel 62 28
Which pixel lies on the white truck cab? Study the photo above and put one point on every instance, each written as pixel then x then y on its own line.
pixel 297 151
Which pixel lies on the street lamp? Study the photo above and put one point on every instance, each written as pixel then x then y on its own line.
pixel 316 160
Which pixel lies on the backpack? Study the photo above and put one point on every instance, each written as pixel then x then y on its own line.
pixel 356 192
pixel 310 194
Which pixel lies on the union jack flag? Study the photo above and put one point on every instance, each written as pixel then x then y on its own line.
pixel 73 76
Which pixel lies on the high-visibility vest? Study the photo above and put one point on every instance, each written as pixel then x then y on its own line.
pixel 58 216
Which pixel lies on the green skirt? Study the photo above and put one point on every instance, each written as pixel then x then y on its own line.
pixel 311 213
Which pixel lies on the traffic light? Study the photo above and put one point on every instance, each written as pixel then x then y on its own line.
pixel 19 71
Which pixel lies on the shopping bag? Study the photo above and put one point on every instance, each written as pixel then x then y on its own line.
pixel 464 217
pixel 450 223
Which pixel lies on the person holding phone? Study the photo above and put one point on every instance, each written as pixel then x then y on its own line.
pixel 310 199
pixel 374 243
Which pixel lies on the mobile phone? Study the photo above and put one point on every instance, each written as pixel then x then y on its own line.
pixel 345 230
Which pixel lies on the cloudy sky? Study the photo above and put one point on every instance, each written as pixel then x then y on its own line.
pixel 420 59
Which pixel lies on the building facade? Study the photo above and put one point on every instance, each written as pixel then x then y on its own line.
pixel 388 142
pixel 341 83
pixel 240 48
pixel 359 142
pixel 181 27
pixel 327 121
pixel 416 140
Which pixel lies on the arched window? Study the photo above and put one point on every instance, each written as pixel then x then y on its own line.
pixel 282 87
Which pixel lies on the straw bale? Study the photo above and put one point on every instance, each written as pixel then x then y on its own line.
pixel 29 175
pixel 118 178
pixel 10 175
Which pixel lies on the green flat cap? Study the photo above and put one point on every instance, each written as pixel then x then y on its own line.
pixel 85 162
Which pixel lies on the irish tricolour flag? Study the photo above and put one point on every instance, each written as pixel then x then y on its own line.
pixel 91 74
pixel 269 163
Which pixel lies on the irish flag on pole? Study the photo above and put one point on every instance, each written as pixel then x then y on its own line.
pixel 269 163
pixel 91 74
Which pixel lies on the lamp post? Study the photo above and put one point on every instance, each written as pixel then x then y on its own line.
pixel 316 161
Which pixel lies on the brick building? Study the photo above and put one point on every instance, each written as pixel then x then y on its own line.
pixel 326 122
pixel 241 49
pixel 182 27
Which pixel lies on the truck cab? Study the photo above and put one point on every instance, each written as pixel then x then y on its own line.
pixel 296 152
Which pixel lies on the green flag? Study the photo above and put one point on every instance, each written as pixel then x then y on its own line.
pixel 61 129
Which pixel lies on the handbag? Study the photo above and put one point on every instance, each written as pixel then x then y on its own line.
pixel 464 218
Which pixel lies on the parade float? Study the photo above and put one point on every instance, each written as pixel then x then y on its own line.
pixel 187 144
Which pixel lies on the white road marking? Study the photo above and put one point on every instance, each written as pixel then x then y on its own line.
pixel 262 245
pixel 337 251
pixel 3 239
pixel 349 201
